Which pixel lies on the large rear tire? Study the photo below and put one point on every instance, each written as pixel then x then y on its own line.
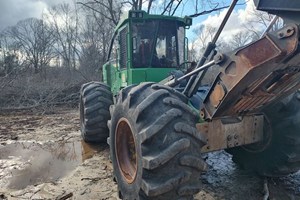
pixel 95 99
pixel 281 155
pixel 154 145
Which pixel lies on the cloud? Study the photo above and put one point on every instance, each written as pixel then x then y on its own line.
pixel 240 28
pixel 13 11
pixel 238 21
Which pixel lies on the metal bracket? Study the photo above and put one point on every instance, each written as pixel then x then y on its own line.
pixel 238 132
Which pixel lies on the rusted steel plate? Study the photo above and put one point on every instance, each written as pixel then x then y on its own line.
pixel 256 75
pixel 223 135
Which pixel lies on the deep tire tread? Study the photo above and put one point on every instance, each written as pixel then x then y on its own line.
pixel 149 101
pixel 134 92
pixel 95 99
pixel 179 104
pixel 155 189
pixel 189 190
pixel 156 112
pixel 193 161
pixel 154 161
pixel 159 124
pixel 182 127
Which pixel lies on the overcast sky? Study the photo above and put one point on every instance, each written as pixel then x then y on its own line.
pixel 11 11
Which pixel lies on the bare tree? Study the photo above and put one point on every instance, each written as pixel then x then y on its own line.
pixel 108 9
pixel 257 22
pixel 4 50
pixel 96 31
pixel 95 41
pixel 33 40
pixel 204 34
pixel 64 23
pixel 242 38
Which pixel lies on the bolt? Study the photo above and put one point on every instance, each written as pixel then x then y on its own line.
pixel 236 136
pixel 208 147
pixel 229 137
pixel 202 114
pixel 218 58
pixel 236 144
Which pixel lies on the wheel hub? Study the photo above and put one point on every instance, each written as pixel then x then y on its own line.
pixel 126 150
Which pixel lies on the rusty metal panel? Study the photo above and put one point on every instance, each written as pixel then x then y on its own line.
pixel 259 52
pixel 256 75
pixel 221 135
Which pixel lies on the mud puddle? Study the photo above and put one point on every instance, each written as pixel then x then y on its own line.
pixel 93 178
pixel 30 163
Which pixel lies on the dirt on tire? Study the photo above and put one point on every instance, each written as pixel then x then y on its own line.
pixel 167 154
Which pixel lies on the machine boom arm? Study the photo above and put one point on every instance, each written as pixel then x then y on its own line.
pixel 256 75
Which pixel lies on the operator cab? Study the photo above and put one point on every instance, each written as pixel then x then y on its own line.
pixel 145 48
pixel 157 44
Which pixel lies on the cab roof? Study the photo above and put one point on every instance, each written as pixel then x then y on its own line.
pixel 142 15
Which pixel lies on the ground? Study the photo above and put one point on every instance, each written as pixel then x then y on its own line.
pixel 42 156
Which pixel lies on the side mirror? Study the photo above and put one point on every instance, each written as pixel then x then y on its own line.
pixel 134 43
pixel 186 51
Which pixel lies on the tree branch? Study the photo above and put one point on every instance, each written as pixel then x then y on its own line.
pixel 109 18
pixel 149 6
pixel 213 10
pixel 167 7
pixel 179 2
pixel 208 11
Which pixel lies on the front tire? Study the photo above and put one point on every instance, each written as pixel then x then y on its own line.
pixel 95 99
pixel 154 145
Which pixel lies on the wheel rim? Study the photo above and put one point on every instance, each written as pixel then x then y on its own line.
pixel 126 151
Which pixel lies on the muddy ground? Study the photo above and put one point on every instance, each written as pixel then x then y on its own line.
pixel 42 157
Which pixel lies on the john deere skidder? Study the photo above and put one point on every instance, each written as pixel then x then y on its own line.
pixel 158 117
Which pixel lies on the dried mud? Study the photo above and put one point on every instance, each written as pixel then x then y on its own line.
pixel 43 157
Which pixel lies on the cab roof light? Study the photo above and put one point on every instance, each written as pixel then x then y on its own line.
pixel 136 14
pixel 188 21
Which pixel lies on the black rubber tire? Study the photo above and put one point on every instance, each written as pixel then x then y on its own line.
pixel 168 145
pixel 282 156
pixel 95 100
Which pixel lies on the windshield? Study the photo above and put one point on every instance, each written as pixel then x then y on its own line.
pixel 155 44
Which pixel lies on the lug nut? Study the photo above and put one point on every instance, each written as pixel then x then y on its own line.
pixel 229 137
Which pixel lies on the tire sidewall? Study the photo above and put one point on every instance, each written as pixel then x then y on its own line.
pixel 82 118
pixel 133 188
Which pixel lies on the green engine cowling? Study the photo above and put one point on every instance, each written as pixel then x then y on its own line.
pixel 145 48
